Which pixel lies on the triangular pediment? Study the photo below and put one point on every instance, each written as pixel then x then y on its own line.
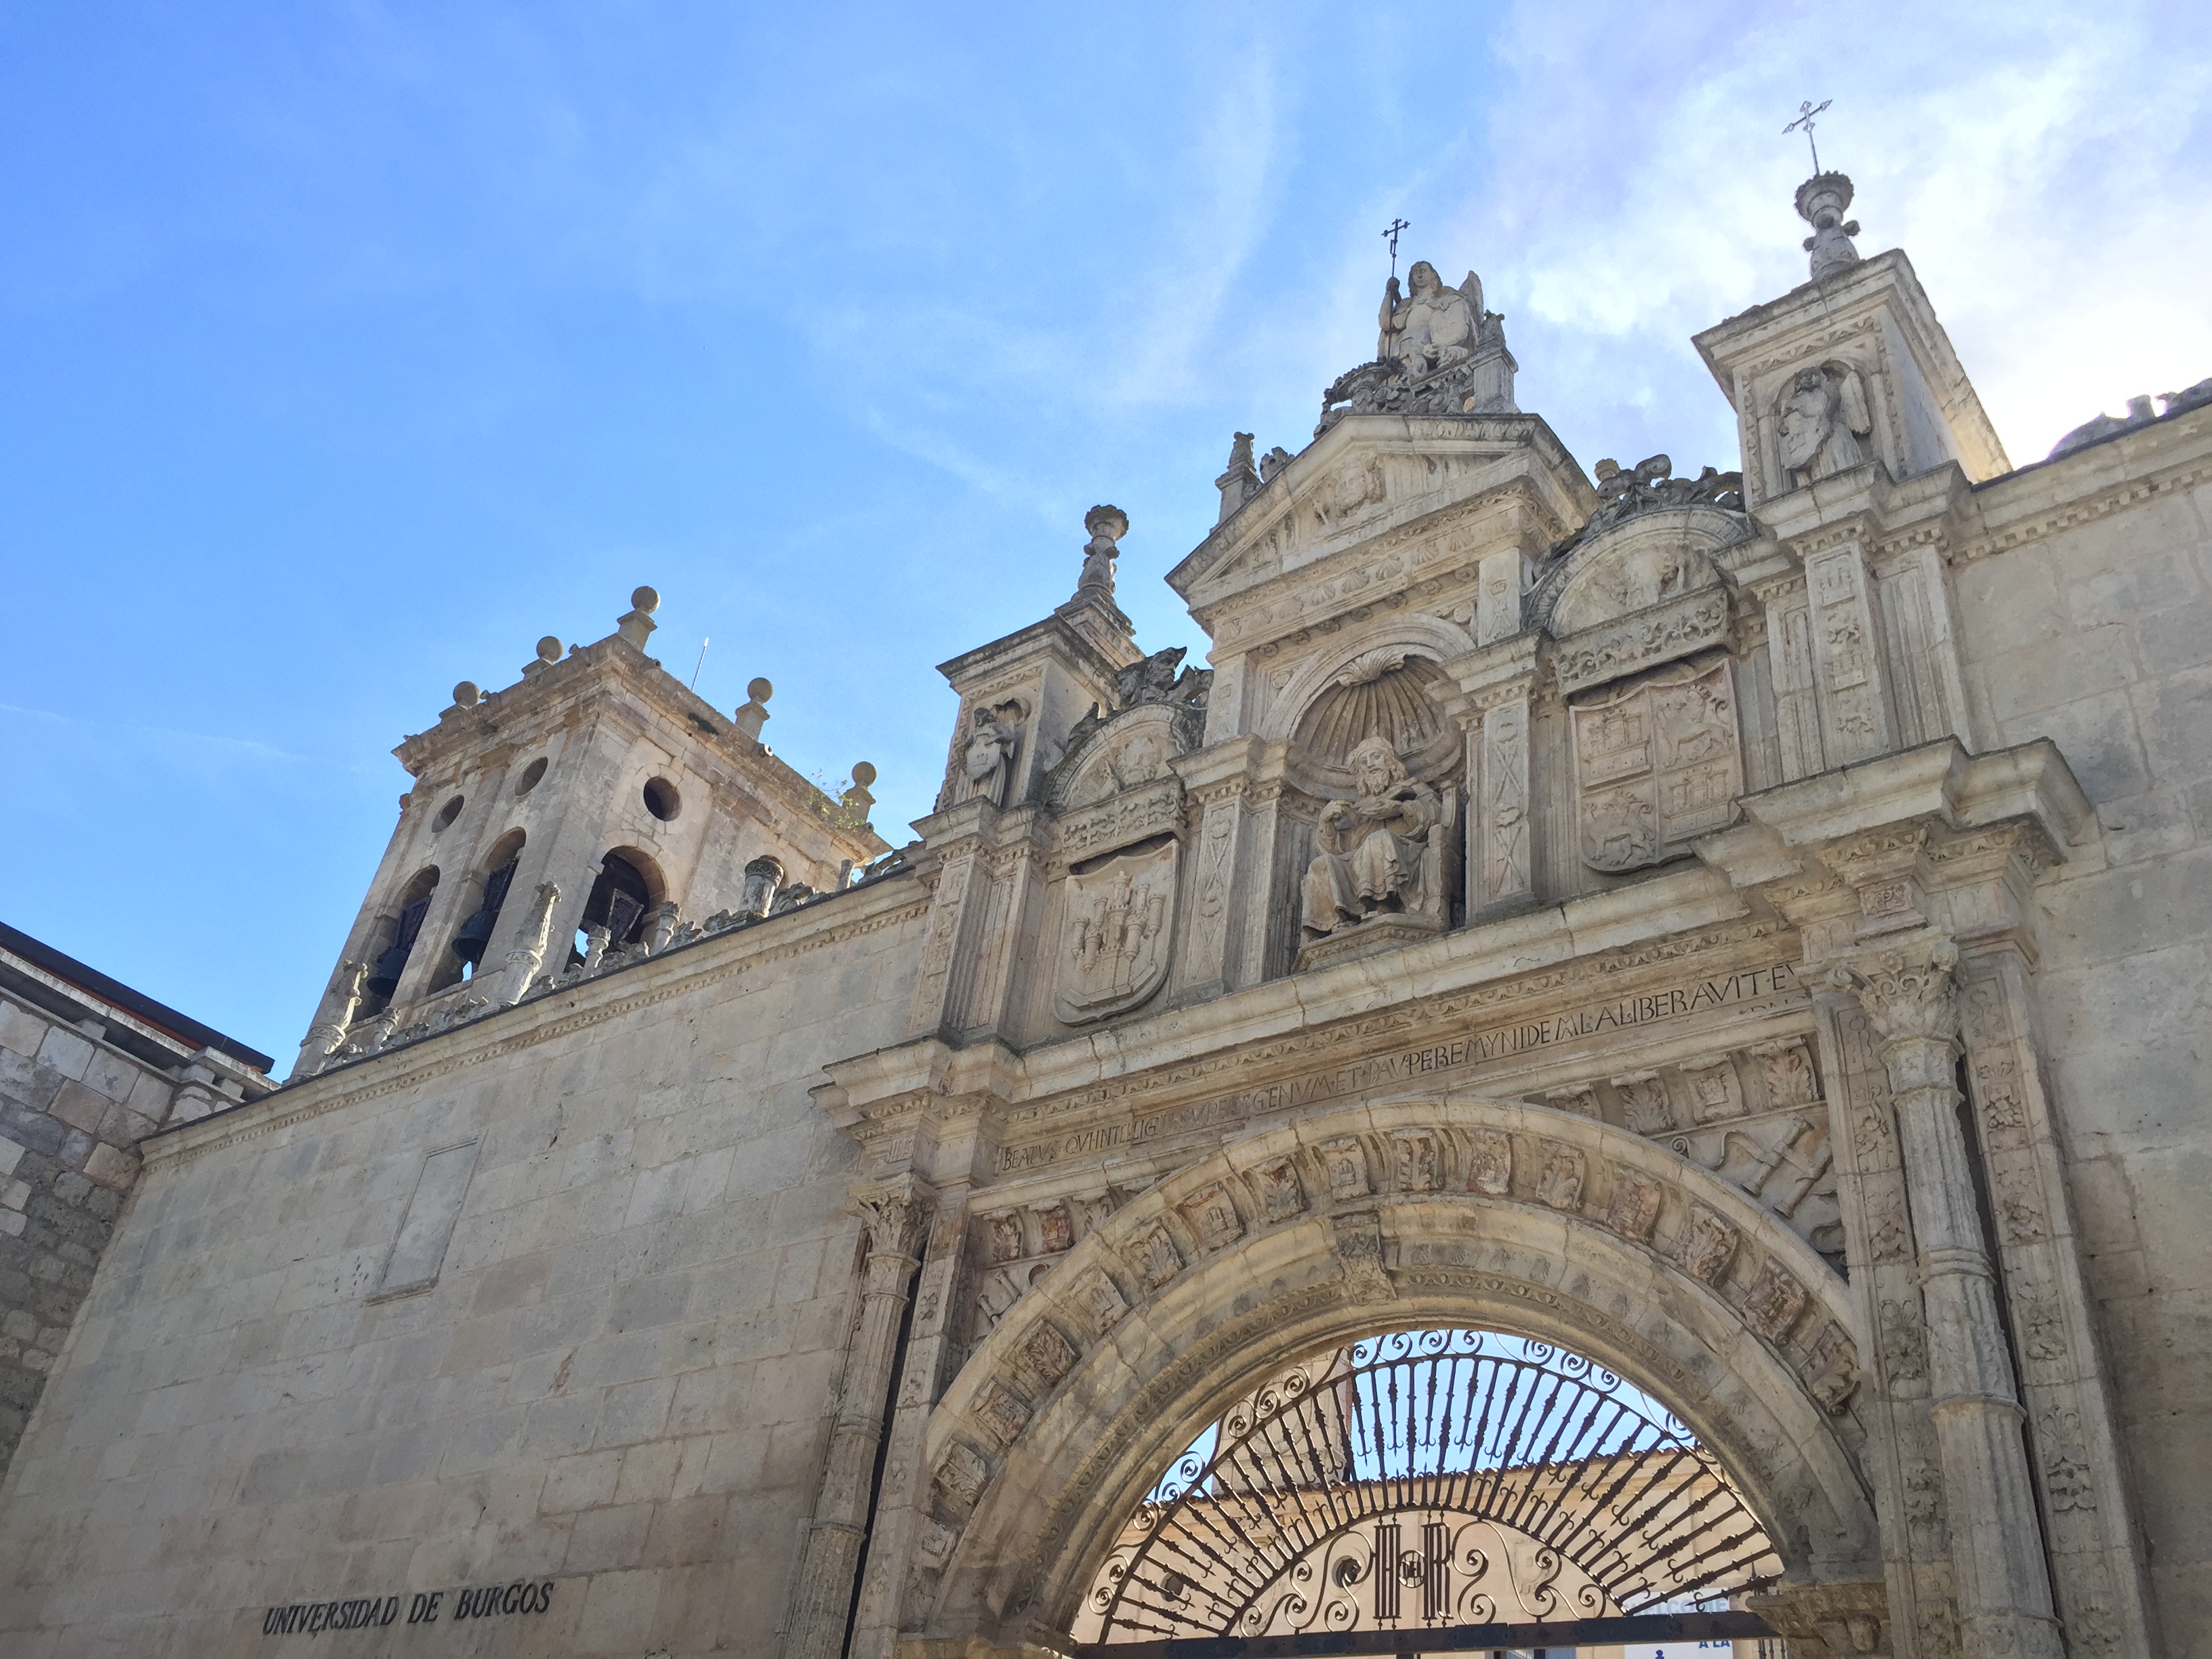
pixel 1371 476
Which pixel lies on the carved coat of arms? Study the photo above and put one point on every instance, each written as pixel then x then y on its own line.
pixel 1658 762
pixel 1116 925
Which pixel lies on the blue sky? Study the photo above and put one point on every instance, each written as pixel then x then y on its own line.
pixel 346 349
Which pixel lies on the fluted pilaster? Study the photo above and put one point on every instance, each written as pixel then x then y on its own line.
pixel 893 1217
pixel 2003 1586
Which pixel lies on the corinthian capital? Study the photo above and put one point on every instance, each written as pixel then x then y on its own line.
pixel 1907 991
pixel 894 1216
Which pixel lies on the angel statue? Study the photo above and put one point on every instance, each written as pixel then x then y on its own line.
pixel 1436 328
pixel 1375 850
pixel 1824 416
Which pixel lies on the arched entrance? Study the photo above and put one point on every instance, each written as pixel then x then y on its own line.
pixel 1447 1482
pixel 1279 1250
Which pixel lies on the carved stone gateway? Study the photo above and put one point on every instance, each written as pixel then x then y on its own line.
pixel 1656 1094
pixel 1658 762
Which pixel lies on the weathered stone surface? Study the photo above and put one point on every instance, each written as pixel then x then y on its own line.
pixel 1729 904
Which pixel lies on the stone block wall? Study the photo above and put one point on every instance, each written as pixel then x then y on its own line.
pixel 73 1109
pixel 617 1378
pixel 2094 629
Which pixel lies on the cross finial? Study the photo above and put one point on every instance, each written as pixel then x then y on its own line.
pixel 1390 235
pixel 1806 112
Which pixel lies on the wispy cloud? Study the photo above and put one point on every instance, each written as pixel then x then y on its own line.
pixel 166 746
pixel 2044 171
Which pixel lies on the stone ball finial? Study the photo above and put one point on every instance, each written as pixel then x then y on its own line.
pixel 1107 523
pixel 549 650
pixel 760 690
pixel 468 694
pixel 646 599
pixel 863 774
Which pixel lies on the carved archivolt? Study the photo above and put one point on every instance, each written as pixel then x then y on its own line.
pixel 1394 1210
pixel 1125 751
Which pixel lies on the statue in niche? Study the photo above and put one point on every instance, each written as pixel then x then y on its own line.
pixel 987 762
pixel 1433 328
pixel 1377 852
pixel 1823 416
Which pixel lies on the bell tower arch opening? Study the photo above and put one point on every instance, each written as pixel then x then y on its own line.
pixel 629 885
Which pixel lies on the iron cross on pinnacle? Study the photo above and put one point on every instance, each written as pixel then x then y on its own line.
pixel 1806 112
pixel 1390 235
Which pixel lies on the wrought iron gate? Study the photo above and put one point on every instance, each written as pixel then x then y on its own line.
pixel 1432 1481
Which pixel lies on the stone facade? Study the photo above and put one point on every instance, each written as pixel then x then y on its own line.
pixel 1744 928
pixel 89 1069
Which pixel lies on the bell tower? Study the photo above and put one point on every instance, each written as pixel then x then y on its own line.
pixel 583 813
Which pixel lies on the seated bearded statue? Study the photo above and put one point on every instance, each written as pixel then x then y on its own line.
pixel 1377 852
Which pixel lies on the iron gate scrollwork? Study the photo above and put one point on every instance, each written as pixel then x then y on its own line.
pixel 1427 1479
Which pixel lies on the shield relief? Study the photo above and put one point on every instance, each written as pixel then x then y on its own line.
pixel 1117 925
pixel 1658 762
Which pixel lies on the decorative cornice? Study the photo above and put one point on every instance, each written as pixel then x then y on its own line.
pixel 1285 600
pixel 2067 515
pixel 1252 1063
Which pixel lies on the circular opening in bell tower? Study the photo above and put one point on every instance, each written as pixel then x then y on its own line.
pixel 662 800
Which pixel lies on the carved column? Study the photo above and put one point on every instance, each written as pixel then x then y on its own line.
pixel 910 1547
pixel 1496 683
pixel 2003 1589
pixel 1902 1456
pixel 823 1596
pixel 1004 881
pixel 1501 579
pixel 1268 919
pixel 332 1020
pixel 1854 719
pixel 1791 662
pixel 931 1009
pixel 1211 960
pixel 2095 1556
pixel 529 953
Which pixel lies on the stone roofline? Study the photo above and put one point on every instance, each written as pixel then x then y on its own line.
pixel 1060 629
pixel 148 1030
